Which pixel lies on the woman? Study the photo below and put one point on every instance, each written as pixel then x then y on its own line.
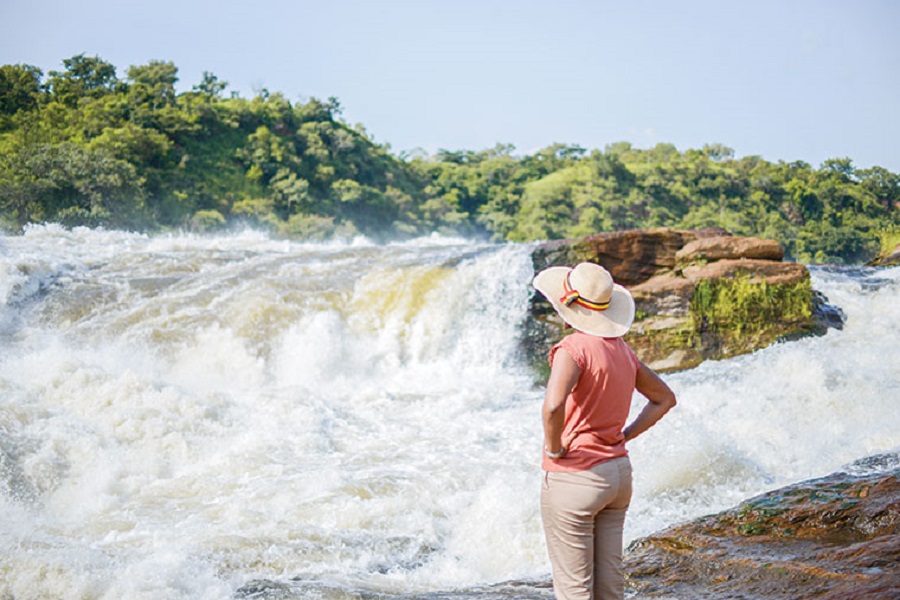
pixel 587 480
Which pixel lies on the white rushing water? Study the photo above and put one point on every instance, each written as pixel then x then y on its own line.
pixel 182 415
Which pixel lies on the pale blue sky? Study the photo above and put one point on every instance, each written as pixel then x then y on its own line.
pixel 785 79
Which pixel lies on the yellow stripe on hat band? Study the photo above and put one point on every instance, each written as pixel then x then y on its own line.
pixel 591 305
pixel 573 297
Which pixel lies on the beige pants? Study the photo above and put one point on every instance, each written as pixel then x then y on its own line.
pixel 583 515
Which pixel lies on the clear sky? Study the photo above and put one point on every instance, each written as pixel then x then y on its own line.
pixel 784 79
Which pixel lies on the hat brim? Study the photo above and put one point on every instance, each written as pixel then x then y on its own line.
pixel 615 321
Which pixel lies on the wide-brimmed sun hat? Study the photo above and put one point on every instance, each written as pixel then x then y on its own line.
pixel 588 299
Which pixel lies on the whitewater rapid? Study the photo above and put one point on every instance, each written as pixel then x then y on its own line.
pixel 181 415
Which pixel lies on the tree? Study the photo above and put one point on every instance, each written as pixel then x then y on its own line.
pixel 884 187
pixel 290 193
pixel 142 147
pixel 152 85
pixel 84 77
pixel 210 86
pixel 72 185
pixel 87 148
pixel 22 190
pixel 266 153
pixel 20 88
pixel 822 242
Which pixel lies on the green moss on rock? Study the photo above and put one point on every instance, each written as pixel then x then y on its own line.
pixel 738 315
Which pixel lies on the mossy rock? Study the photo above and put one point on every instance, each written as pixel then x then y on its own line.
pixel 833 537
pixel 686 314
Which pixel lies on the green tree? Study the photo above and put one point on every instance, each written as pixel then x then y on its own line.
pixel 884 187
pixel 87 148
pixel 69 184
pixel 152 86
pixel 20 89
pixel 84 77
pixel 266 153
pixel 210 86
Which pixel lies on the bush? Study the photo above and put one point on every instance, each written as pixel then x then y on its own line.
pixel 207 220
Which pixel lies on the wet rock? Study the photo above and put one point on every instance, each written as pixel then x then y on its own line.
pixel 827 316
pixel 887 260
pixel 265 589
pixel 834 537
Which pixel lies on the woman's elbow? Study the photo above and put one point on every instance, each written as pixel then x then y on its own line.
pixel 668 400
pixel 663 397
pixel 654 388
pixel 551 409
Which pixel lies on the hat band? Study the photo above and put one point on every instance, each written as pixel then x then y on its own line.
pixel 572 296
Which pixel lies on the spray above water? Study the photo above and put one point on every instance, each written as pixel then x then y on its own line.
pixel 181 415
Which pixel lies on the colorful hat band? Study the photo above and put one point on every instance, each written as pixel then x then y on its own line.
pixel 573 297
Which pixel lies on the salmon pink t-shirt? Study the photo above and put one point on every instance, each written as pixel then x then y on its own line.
pixel 598 405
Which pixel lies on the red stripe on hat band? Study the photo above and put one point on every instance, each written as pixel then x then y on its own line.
pixel 572 296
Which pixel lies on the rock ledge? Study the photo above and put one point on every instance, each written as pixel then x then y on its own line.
pixel 699 295
pixel 837 537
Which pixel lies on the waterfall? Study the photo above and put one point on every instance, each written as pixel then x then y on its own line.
pixel 180 415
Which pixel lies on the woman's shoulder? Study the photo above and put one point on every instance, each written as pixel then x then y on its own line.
pixel 579 343
pixel 576 344
pixel 586 342
pixel 578 339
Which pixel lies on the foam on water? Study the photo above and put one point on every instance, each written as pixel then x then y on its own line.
pixel 180 415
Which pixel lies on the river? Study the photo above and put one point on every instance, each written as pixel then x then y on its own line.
pixel 186 417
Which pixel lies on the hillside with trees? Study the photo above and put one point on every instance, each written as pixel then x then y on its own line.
pixel 84 146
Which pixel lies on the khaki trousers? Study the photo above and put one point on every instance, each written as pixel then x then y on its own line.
pixel 583 515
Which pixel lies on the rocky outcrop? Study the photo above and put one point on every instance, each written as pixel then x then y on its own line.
pixel 887 260
pixel 832 538
pixel 725 247
pixel 699 294
pixel 758 271
pixel 632 257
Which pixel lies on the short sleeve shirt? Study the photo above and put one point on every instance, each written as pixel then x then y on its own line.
pixel 599 403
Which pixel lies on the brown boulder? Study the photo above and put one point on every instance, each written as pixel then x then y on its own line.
pixel 835 537
pixel 758 270
pixel 667 295
pixel 631 257
pixel 728 248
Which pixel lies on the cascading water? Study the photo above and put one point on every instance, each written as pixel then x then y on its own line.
pixel 182 415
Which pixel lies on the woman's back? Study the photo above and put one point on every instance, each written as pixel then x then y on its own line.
pixel 598 405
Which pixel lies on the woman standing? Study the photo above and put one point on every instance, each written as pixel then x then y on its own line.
pixel 587 481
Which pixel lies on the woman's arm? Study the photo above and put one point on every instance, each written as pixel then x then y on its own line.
pixel 661 399
pixel 563 377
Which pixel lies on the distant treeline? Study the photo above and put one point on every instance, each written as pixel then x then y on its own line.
pixel 83 147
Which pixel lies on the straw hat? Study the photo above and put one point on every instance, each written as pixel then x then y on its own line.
pixel 588 299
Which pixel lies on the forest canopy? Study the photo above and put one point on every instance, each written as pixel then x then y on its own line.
pixel 85 146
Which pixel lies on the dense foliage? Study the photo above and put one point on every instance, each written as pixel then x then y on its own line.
pixel 83 147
